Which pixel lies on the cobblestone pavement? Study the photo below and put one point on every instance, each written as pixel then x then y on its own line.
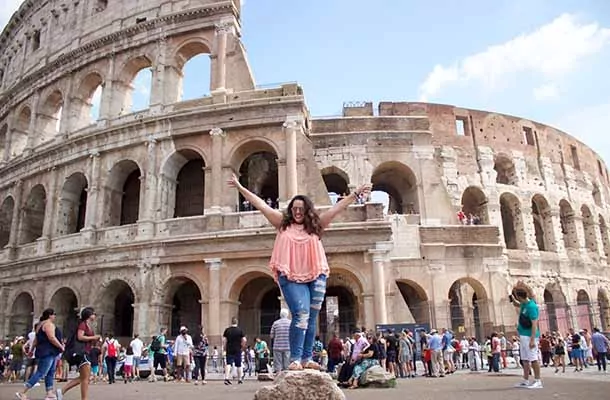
pixel 463 385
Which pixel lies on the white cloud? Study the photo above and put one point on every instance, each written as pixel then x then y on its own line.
pixel 8 7
pixel 550 52
pixel 547 91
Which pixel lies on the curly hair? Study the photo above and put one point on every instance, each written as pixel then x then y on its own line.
pixel 311 219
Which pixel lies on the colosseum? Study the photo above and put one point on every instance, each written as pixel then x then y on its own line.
pixel 129 211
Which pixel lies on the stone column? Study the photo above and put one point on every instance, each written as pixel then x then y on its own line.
pixel 93 191
pixel 33 123
pixel 292 125
pixel 529 233
pixel 214 326
pixel 580 234
pixel 159 93
pixel 219 80
pixel 65 126
pixel 215 184
pixel 107 91
pixel 44 242
pixel 13 240
pixel 560 247
pixel 146 223
pixel 4 157
pixel 378 264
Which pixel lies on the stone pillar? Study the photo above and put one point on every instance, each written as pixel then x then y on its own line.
pixel 65 126
pixel 529 233
pixel 146 223
pixel 4 157
pixel 93 191
pixel 44 242
pixel 13 240
pixel 107 91
pixel 219 80
pixel 560 247
pixel 158 92
pixel 292 125
pixel 33 123
pixel 378 264
pixel 215 183
pixel 214 323
pixel 580 234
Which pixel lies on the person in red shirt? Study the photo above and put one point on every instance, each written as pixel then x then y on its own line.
pixel 335 348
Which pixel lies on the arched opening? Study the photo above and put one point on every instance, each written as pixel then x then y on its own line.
pixel 22 315
pixel 400 184
pixel 65 304
pixel 186 305
pixel 339 312
pixel 568 226
pixel 123 206
pixel 116 309
pixel 588 224
pixel 184 184
pixel 584 314
pixel 259 306
pixel 543 223
pixel 554 313
pixel 72 205
pixel 20 132
pixel 417 302
pixel 468 308
pixel 505 170
pixel 259 173
pixel 6 220
pixel 3 140
pixel 49 118
pixel 88 101
pixel 512 222
pixel 474 202
pixel 603 228
pixel 193 59
pixel 137 78
pixel 336 181
pixel 604 309
pixel 597 195
pixel 33 215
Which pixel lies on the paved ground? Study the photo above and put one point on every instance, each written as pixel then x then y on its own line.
pixel 463 385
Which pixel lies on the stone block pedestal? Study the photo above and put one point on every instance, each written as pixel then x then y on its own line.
pixel 301 385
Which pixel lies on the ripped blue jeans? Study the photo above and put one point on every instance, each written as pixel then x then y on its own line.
pixel 304 301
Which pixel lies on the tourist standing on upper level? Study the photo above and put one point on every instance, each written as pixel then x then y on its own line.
pixel 280 334
pixel 601 347
pixel 299 263
pixel 528 337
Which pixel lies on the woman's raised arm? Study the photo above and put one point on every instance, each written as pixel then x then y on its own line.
pixel 327 216
pixel 273 216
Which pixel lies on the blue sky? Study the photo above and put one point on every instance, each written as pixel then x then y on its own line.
pixel 546 60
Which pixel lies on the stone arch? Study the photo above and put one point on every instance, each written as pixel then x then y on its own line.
pixel 399 182
pixel 469 307
pixel 584 310
pixel 22 314
pixel 506 174
pixel 256 161
pixel 184 184
pixel 259 302
pixel 65 303
pixel 597 195
pixel 568 225
pixel 72 205
pixel 3 139
pixel 136 74
pixel 554 312
pixel 589 228
pixel 512 221
pixel 341 311
pixel 123 197
pixel 543 223
pixel 603 229
pixel 417 301
pixel 474 202
pixel 20 131
pixel 49 118
pixel 184 298
pixel 336 180
pixel 603 302
pixel 115 308
pixel 33 215
pixel 187 53
pixel 6 219
pixel 86 104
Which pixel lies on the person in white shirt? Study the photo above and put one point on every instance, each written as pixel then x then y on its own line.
pixel 136 345
pixel 464 345
pixel 182 352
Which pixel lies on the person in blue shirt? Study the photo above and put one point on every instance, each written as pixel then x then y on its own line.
pixel 529 334
pixel 435 343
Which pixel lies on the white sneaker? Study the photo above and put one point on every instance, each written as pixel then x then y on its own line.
pixel 535 385
pixel 59 395
pixel 523 384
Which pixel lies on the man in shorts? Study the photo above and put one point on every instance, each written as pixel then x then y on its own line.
pixel 529 335
pixel 159 355
pixel 233 340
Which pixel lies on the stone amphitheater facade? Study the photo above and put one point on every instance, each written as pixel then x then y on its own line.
pixel 130 213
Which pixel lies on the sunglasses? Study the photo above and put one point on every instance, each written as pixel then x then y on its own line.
pixel 301 209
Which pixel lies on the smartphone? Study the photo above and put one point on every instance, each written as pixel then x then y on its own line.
pixel 511 298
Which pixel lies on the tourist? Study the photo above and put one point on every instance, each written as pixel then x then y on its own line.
pixel 137 346
pixel 158 350
pixel 262 355
pixel 405 355
pixel 77 353
pixel 559 355
pixel 17 354
pixel 200 355
pixel 233 340
pixel 435 342
pixel 95 356
pixel 367 358
pixel 110 351
pixel 182 350
pixel 335 352
pixel 128 366
pixel 303 283
pixel 601 347
pixel 48 345
pixel 528 337
pixel 280 334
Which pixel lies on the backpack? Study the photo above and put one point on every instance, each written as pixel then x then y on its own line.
pixel 74 350
pixel 155 346
pixel 111 351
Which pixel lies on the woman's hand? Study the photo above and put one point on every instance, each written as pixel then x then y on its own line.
pixel 364 190
pixel 234 181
